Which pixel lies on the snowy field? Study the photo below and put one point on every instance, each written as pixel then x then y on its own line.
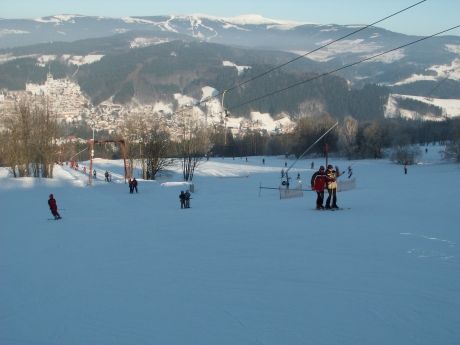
pixel 236 268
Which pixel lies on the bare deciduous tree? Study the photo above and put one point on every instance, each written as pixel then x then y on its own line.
pixel 156 148
pixel 374 139
pixel 405 154
pixel 347 136
pixel 148 141
pixel 193 145
pixel 29 136
pixel 132 129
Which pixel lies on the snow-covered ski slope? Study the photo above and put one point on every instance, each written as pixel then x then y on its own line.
pixel 236 268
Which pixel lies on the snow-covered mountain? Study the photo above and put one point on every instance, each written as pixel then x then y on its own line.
pixel 20 32
pixel 428 69
pixel 252 31
pixel 245 30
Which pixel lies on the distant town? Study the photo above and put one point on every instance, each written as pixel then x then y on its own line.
pixel 71 106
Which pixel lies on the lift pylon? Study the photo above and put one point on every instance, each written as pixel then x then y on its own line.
pixel 120 142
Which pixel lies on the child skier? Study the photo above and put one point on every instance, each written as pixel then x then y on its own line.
pixel 53 207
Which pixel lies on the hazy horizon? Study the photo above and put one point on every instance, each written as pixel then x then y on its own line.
pixel 426 18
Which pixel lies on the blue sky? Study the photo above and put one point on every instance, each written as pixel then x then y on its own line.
pixel 427 18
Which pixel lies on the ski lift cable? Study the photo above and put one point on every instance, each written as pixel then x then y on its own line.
pixel 207 99
pixel 341 68
pixel 437 85
pixel 310 147
pixel 75 155
pixel 321 47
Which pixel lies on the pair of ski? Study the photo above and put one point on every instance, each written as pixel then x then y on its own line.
pixel 332 209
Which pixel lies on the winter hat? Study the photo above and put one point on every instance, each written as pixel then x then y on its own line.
pixel 51 196
pixel 330 166
pixel 321 167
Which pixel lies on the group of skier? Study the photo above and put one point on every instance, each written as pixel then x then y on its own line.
pixel 184 199
pixel 320 180
pixel 325 179
pixel 108 176
pixel 132 183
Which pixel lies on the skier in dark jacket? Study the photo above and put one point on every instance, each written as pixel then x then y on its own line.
pixel 182 199
pixel 130 184
pixel 318 183
pixel 134 184
pixel 53 207
pixel 187 199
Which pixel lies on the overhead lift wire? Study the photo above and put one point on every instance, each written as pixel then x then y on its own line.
pixel 321 47
pixel 331 72
pixel 207 99
pixel 310 147
pixel 438 84
pixel 341 68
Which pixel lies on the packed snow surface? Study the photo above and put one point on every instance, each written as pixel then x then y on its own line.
pixel 239 266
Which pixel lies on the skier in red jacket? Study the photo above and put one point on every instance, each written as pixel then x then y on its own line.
pixel 53 207
pixel 318 183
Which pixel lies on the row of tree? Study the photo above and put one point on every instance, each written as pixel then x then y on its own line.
pixel 352 139
pixel 150 140
pixel 29 140
pixel 150 143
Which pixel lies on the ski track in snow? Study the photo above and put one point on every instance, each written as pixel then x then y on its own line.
pixel 423 253
pixel 430 253
pixel 429 238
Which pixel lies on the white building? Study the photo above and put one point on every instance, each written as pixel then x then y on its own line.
pixel 65 97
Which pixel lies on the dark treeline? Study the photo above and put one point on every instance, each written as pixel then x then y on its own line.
pixel 352 138
pixel 419 107
pixel 369 139
pixel 329 94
